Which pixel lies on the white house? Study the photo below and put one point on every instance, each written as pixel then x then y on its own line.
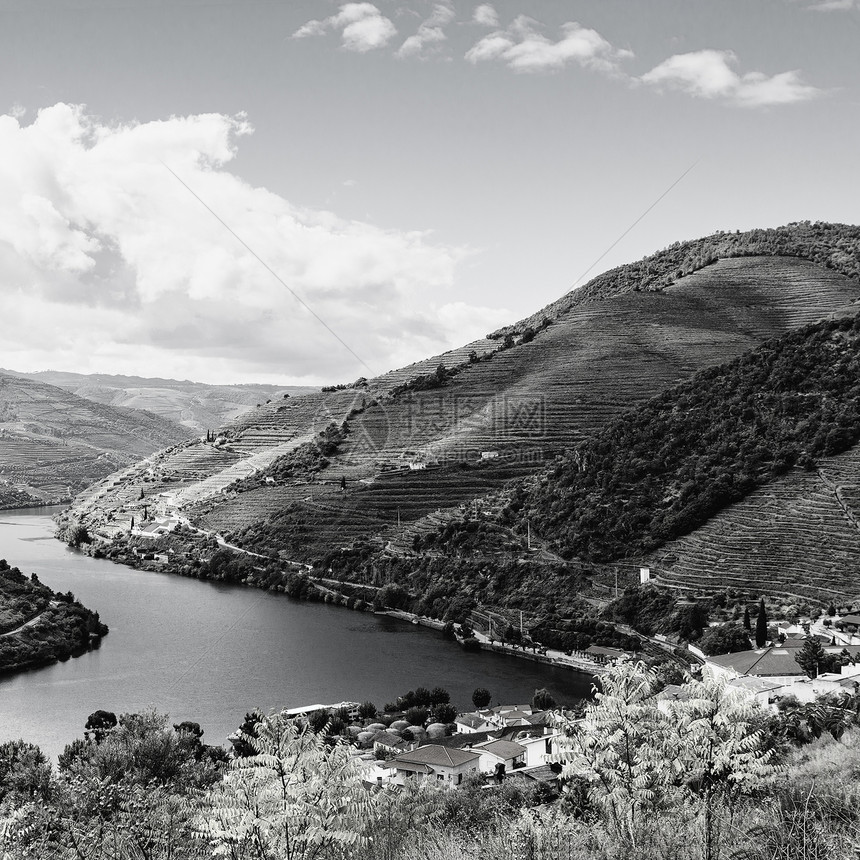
pixel 539 747
pixel 495 753
pixel 446 765
pixel 468 724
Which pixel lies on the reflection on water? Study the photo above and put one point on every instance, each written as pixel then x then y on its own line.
pixel 210 652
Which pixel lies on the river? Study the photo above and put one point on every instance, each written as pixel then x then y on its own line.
pixel 210 652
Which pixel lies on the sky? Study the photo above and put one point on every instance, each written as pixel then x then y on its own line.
pixel 307 192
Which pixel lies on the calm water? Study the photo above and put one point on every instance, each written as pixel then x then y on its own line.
pixel 209 653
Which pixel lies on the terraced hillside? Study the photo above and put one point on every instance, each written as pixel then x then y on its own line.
pixel 54 444
pixel 798 536
pixel 194 405
pixel 428 438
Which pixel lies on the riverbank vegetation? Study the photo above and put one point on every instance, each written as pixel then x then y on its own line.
pixel 39 626
pixel 710 774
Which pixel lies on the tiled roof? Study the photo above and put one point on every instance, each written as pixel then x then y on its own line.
pixel 436 755
pixel 541 773
pixel 389 739
pixel 502 749
pixel 756 685
pixel 761 662
pixel 511 716
pixel 473 721
pixel 673 692
pixel 500 710
pixel 464 740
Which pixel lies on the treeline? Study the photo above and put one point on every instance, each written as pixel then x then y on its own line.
pixel 39 626
pixel 835 246
pixel 662 470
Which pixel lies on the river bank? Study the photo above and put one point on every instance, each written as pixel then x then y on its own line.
pixel 210 651
pixel 189 552
pixel 39 626
pixel 547 656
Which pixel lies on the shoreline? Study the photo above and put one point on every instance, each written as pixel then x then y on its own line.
pixel 549 658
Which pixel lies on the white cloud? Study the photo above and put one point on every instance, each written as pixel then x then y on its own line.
pixel 834 5
pixel 710 74
pixel 523 48
pixel 108 263
pixel 486 15
pixel 430 33
pixel 362 27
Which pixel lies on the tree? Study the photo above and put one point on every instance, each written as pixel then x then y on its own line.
pixel 543 700
pixel 440 696
pixel 416 716
pixel 481 697
pixel 98 724
pixel 721 746
pixel 295 798
pixel 76 534
pixel 423 696
pixel 761 625
pixel 727 638
pixel 636 759
pixel 810 656
pixel 25 773
pixel 444 713
pixel 747 620
pixel 621 750
pixel 366 711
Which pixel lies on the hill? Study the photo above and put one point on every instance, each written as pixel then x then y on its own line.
pixel 433 444
pixel 54 444
pixel 39 626
pixel 194 405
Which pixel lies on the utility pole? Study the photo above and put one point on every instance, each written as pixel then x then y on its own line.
pixel 529 532
pixel 521 622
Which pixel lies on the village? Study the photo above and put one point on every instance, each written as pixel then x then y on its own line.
pixel 492 745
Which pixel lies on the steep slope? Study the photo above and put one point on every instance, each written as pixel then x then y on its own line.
pixel 415 437
pixel 776 432
pixel 799 536
pixel 54 444
pixel 194 405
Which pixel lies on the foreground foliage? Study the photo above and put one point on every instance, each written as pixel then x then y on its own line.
pixel 704 776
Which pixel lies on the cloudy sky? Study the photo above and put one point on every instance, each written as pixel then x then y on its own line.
pixel 289 191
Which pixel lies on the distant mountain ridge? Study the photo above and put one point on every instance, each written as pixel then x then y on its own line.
pixel 431 444
pixel 195 405
pixel 53 444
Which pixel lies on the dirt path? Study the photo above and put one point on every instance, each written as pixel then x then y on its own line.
pixel 30 623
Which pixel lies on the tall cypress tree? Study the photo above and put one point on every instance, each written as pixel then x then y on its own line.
pixel 761 625
pixel 747 620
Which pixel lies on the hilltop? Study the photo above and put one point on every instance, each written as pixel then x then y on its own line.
pixel 53 444
pixel 195 405
pixel 366 471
